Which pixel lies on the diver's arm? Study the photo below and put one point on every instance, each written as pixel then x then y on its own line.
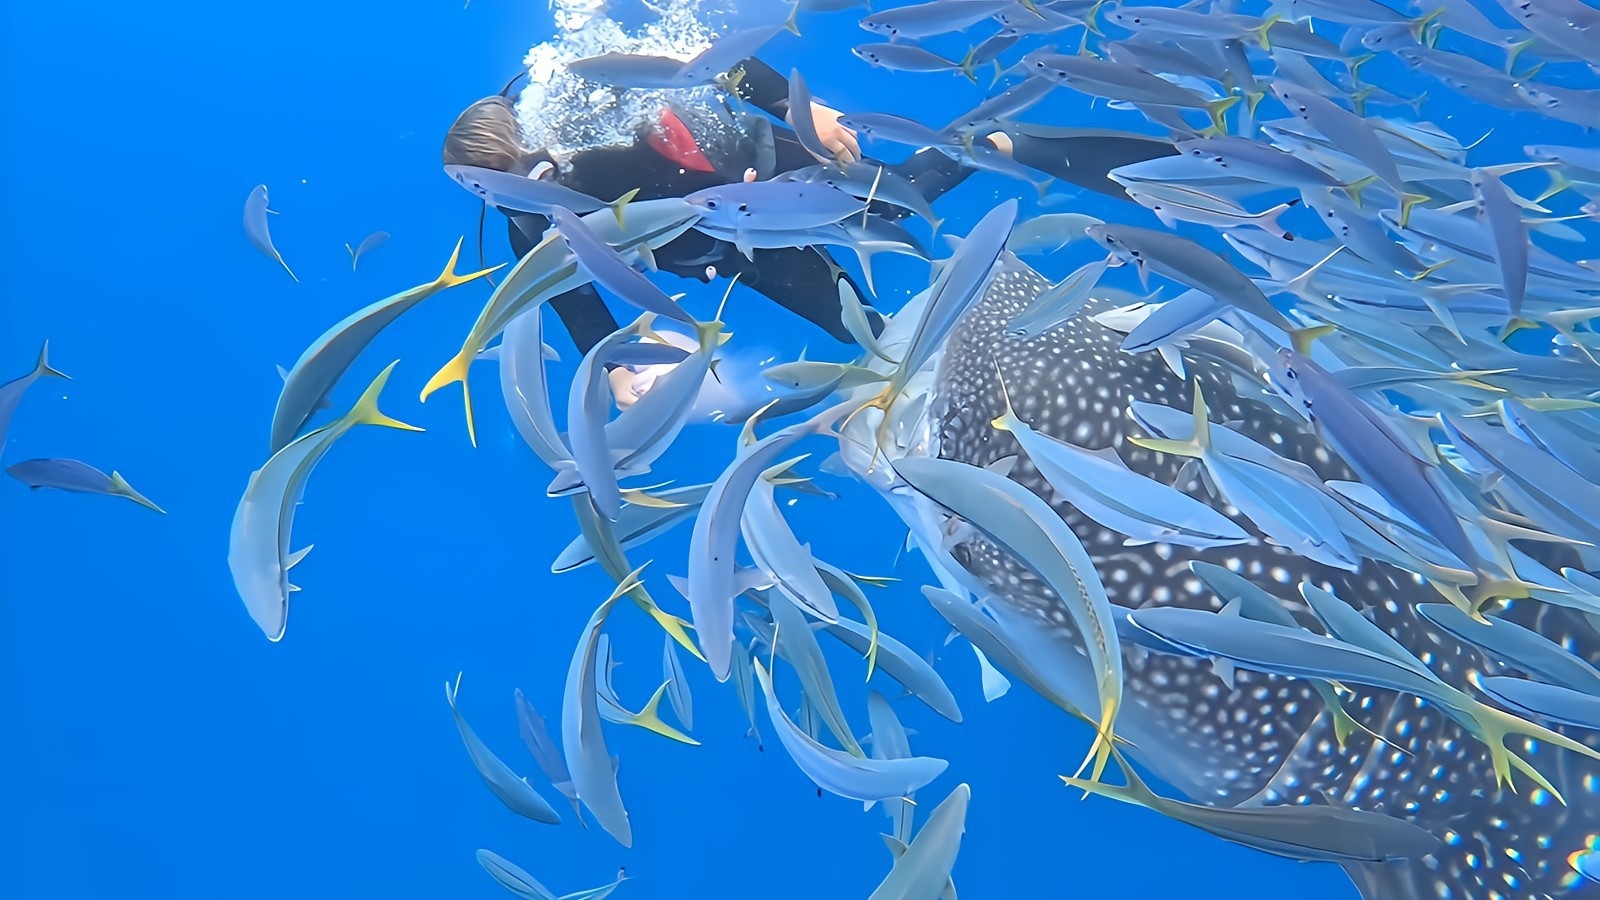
pixel 761 86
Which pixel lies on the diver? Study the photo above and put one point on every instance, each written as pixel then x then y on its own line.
pixel 691 148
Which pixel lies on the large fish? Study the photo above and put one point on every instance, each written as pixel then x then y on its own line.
pixel 1265 741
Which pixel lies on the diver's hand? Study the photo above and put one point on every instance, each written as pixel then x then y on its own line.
pixel 839 140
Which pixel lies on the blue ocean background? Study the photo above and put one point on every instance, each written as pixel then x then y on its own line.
pixel 154 744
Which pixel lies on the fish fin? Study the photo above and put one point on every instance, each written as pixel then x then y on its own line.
pixel 366 411
pixel 121 488
pixel 455 372
pixel 650 719
pixel 1407 203
pixel 1425 273
pixel 671 624
pixel 620 204
pixel 897 849
pixel 1216 109
pixel 43 369
pixel 1419 27
pixel 1303 338
pixel 1356 188
pixel 638 497
pixel 1223 668
pixel 352 251
pixel 297 556
pixel 449 279
pixel 1558 183
pixel 792 24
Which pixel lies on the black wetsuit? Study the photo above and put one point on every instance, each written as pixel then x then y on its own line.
pixel 799 279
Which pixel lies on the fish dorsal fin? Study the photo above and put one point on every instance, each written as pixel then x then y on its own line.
pixel 1003 465
pixel 896 848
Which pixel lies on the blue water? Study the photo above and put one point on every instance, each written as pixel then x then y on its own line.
pixel 155 745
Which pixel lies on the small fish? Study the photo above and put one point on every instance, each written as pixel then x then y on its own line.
pixel 837 772
pixel 1187 262
pixel 922 870
pixel 889 741
pixel 514 792
pixel 11 392
pixel 1521 649
pixel 611 272
pixel 519 882
pixel 1510 236
pixel 904 58
pixel 593 776
pixel 72 475
pixel 1301 654
pixel 368 244
pixel 677 684
pixel 637 525
pixel 320 367
pixel 1018 519
pixel 525 387
pixel 255 227
pixel 901 663
pixel 1563 706
pixel 258 543
pixel 545 751
pixel 531 195
pixel 923 20
pixel 1307 833
pixel 1103 488
pixel 716 534
pixel 804 654
pixel 1348 132
pixel 1369 443
pixel 773 206
pixel 1061 302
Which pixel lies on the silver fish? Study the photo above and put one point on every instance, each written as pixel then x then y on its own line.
pixel 12 391
pixel 79 477
pixel 255 227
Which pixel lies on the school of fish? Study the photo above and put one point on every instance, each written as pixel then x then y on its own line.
pixel 1288 488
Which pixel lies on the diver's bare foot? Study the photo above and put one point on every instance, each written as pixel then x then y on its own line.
pixel 749 176
pixel 1001 142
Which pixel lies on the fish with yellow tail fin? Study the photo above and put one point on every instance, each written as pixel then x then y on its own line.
pixel 611 706
pixel 1017 519
pixel 549 270
pixel 258 544
pixel 330 356
pixel 959 284
pixel 1307 833
pixel 602 540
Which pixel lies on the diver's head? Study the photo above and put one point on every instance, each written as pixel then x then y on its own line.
pixel 487 134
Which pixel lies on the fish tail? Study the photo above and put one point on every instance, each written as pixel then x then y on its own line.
pixel 1104 741
pixel 1426 273
pixel 1355 64
pixel 965 67
pixel 621 203
pixel 121 488
pixel 650 719
pixel 1558 183
pixel 43 368
pixel 1419 26
pixel 1216 110
pixel 1515 51
pixel 1264 31
pixel 1355 188
pixel 1496 725
pixel 366 411
pixel 792 23
pixel 674 626
pixel 1407 203
pixel 449 279
pixel 454 372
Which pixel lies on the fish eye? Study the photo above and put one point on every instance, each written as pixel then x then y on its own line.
pixel 711 204
pixel 744 207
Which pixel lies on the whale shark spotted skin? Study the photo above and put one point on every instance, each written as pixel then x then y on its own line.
pixel 1266 740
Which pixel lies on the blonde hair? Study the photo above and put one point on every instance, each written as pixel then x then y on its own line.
pixel 487 134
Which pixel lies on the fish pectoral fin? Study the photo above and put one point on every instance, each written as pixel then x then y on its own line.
pixel 295 557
